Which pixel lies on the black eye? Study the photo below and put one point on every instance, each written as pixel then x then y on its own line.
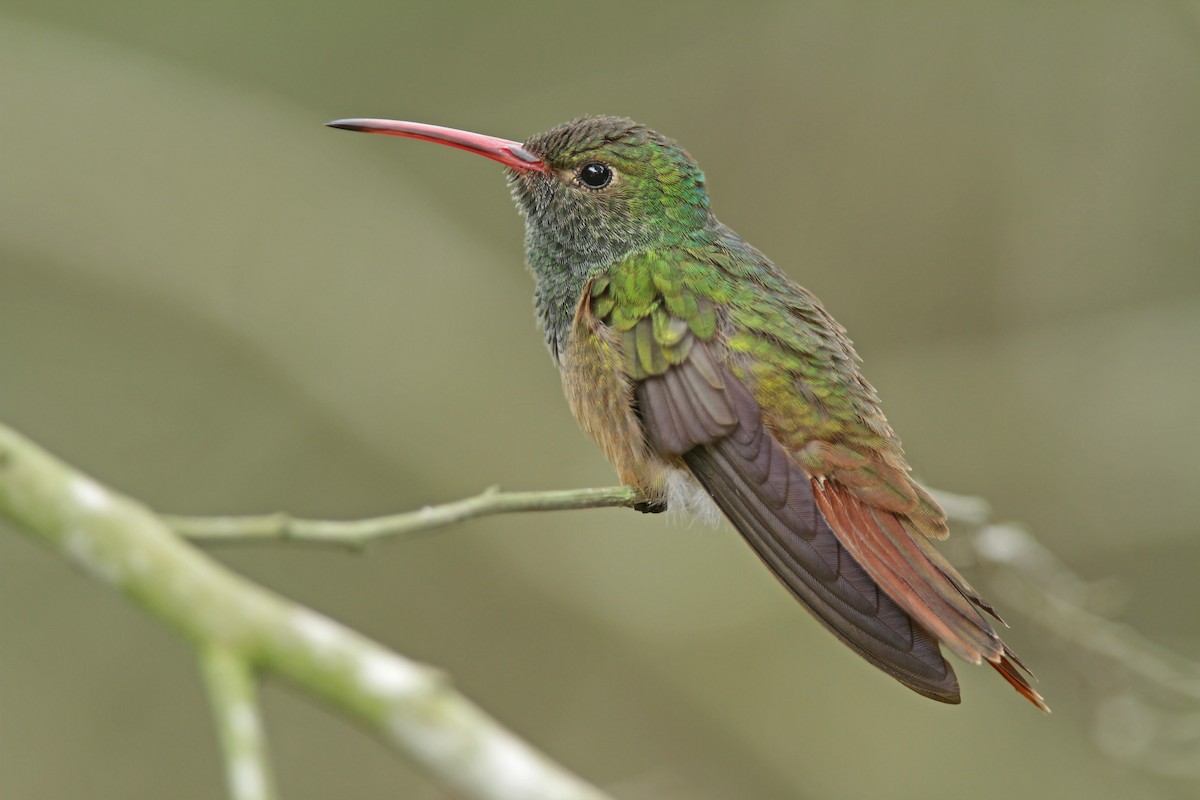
pixel 595 175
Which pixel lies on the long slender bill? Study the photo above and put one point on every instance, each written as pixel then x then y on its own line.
pixel 509 153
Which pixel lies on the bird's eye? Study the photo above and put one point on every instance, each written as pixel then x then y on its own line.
pixel 596 175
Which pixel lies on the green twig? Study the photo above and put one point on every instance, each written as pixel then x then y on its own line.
pixel 357 533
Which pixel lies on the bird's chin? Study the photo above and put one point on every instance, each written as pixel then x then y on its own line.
pixel 530 191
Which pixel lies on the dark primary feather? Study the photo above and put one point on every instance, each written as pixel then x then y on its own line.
pixel 703 412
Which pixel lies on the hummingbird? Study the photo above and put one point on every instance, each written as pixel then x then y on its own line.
pixel 703 372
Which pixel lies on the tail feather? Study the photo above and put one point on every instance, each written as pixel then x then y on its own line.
pixel 1010 667
pixel 922 582
pixel 879 541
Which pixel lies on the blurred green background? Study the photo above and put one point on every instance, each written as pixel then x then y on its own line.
pixel 211 302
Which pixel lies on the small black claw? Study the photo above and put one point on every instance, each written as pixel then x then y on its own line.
pixel 651 506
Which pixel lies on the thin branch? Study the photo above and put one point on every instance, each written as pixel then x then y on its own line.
pixel 357 533
pixel 1144 699
pixel 409 706
pixel 231 691
pixel 1030 578
pixel 1071 621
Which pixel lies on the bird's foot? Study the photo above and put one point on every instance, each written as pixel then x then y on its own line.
pixel 651 506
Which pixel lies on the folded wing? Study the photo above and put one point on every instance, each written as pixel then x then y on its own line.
pixel 699 411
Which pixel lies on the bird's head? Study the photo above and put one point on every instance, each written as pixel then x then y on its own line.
pixel 592 189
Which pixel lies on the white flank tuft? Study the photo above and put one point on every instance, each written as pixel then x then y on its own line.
pixel 687 499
